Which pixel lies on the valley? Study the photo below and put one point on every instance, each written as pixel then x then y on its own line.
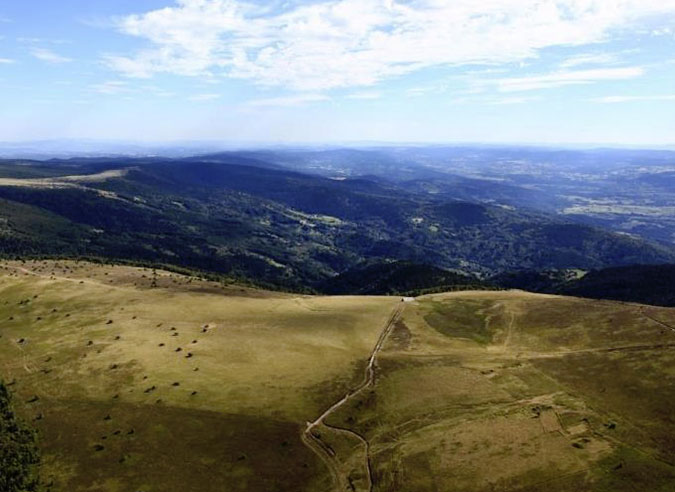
pixel 337 246
pixel 255 217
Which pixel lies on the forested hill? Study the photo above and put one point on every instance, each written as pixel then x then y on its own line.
pixel 644 284
pixel 399 278
pixel 251 220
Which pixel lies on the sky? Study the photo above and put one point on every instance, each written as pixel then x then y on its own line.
pixel 307 71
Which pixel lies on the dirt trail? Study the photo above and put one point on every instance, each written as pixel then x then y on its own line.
pixel 67 279
pixel 655 320
pixel 509 332
pixel 313 442
pixel 620 348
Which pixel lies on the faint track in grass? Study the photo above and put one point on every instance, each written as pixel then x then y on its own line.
pixel 73 280
pixel 509 332
pixel 619 348
pixel 341 481
pixel 655 320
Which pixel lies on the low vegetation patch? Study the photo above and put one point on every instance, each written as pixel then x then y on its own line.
pixel 460 319
pixel 19 457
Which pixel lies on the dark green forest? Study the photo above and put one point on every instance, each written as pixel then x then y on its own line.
pixel 275 227
pixel 19 456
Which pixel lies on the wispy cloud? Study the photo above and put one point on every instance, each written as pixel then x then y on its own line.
pixel 623 99
pixel 298 100
pixel 507 101
pixel 666 31
pixel 564 78
pixel 26 40
pixel 158 91
pixel 350 43
pixel 6 61
pixel 49 56
pixel 111 87
pixel 369 95
pixel 204 97
pixel 590 59
pixel 419 91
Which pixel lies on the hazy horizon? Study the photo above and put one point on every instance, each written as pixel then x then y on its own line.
pixel 577 72
pixel 46 149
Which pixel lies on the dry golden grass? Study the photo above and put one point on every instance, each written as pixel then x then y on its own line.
pixel 63 181
pixel 481 391
pixel 475 391
pixel 101 339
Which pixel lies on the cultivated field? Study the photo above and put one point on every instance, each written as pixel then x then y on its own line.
pixel 151 381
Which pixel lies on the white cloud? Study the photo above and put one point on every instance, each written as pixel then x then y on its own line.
pixel 288 101
pixel 442 86
pixel 623 99
pixel 112 87
pixel 423 91
pixel 560 79
pixel 368 95
pixel 204 97
pixel 666 31
pixel 6 61
pixel 158 91
pixel 590 59
pixel 349 43
pixel 49 56
pixel 513 100
pixel 33 41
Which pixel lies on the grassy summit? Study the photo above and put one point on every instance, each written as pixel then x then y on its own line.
pixel 148 380
pixel 94 354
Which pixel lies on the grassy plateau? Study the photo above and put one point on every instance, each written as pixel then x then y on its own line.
pixel 142 380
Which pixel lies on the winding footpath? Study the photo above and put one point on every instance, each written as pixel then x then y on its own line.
pixel 313 442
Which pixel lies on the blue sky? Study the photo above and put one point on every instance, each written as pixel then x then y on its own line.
pixel 520 71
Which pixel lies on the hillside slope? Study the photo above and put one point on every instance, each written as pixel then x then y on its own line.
pixel 142 380
pixel 147 380
pixel 281 227
pixel 398 278
pixel 645 284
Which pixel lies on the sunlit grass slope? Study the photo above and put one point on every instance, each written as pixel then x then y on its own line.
pixel 513 391
pixel 152 381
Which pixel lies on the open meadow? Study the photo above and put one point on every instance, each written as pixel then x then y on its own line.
pixel 143 380
pixel 510 391
pixel 187 385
